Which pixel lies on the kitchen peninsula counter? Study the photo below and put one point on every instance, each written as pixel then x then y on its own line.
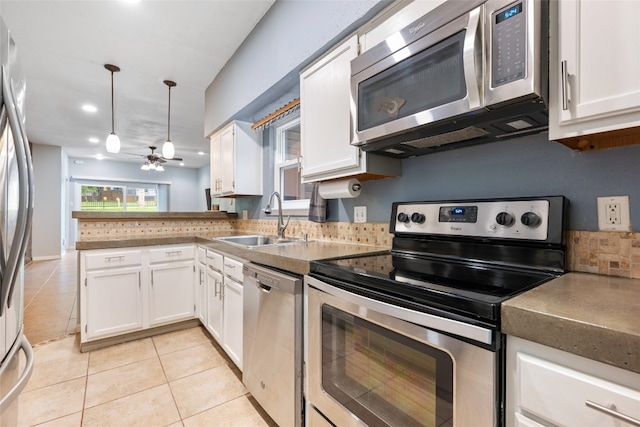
pixel 295 258
pixel 591 315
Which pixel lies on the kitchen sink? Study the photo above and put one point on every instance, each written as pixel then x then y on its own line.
pixel 258 240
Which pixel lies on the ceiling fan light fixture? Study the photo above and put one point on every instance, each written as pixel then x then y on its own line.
pixel 113 142
pixel 145 166
pixel 152 166
pixel 159 168
pixel 168 150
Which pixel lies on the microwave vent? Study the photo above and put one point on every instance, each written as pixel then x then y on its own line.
pixel 465 134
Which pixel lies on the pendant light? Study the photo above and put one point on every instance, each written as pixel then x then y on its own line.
pixel 168 150
pixel 113 142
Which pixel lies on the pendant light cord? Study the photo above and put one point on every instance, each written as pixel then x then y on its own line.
pixel 169 116
pixel 112 106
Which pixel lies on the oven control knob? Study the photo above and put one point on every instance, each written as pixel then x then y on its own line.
pixel 417 217
pixel 505 219
pixel 530 219
pixel 403 217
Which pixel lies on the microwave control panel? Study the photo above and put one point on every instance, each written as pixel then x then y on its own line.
pixel 509 44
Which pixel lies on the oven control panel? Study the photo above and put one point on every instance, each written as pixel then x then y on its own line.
pixel 507 219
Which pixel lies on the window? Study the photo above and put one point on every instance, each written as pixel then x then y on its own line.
pixel 111 198
pixel 295 195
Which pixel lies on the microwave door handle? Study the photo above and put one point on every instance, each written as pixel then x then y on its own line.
pixel 473 62
pixel 25 194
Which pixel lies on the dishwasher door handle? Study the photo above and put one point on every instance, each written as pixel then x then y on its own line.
pixel 264 288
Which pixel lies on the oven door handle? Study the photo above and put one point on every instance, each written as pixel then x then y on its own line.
pixel 462 329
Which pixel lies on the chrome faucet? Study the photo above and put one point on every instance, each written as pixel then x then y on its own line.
pixel 267 209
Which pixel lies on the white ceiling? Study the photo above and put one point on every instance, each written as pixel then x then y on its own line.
pixel 63 46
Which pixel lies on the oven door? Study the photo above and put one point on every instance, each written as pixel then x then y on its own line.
pixel 439 76
pixel 371 363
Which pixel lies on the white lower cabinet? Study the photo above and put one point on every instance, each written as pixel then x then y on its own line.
pixel 224 303
pixel 112 302
pixel 201 299
pixel 546 386
pixel 232 320
pixel 213 322
pixel 171 297
pixel 129 290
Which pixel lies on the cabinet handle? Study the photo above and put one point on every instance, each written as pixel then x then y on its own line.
pixel 176 253
pixel 111 258
pixel 611 410
pixel 216 288
pixel 139 280
pixel 565 79
pixel 151 277
pixel 201 277
pixel 229 265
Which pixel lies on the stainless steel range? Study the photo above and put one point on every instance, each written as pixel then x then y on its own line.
pixel 412 337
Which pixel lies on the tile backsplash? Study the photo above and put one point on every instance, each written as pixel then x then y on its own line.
pixel 608 253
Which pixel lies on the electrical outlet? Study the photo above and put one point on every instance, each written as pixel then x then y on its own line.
pixel 613 213
pixel 359 214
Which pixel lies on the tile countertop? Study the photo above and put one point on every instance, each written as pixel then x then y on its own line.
pixel 594 316
pixel 294 258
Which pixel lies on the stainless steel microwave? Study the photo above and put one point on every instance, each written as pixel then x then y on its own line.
pixel 467 72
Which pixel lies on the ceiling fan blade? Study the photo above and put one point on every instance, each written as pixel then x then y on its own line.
pixel 136 154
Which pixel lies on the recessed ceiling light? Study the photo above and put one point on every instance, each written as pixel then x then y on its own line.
pixel 181 163
pixel 99 156
pixel 201 153
pixel 89 108
pixel 94 140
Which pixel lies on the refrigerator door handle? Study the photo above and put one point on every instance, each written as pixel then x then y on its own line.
pixel 24 377
pixel 25 194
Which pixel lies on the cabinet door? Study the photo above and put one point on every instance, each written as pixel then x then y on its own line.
pixel 215 165
pixel 201 296
pixel 214 304
pixel 232 323
pixel 227 156
pixel 113 303
pixel 595 71
pixel 324 112
pixel 172 292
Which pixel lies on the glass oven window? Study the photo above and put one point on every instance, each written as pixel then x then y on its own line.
pixel 384 378
pixel 428 79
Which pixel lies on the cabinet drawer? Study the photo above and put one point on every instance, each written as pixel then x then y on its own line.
pixel 215 261
pixel 95 261
pixel 177 253
pixel 202 255
pixel 233 269
pixel 558 394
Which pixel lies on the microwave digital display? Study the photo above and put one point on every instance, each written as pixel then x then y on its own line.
pixel 506 14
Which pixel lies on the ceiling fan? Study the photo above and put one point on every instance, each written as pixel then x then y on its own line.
pixel 154 160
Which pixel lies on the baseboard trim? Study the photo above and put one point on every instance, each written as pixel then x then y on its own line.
pixel 145 333
pixel 46 258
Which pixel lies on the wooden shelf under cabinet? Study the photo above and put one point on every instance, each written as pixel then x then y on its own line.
pixel 603 140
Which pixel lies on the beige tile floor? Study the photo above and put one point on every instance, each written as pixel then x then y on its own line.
pixel 177 379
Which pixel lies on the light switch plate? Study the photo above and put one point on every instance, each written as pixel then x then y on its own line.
pixel 359 214
pixel 613 213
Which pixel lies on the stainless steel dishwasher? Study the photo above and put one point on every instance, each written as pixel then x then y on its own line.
pixel 272 342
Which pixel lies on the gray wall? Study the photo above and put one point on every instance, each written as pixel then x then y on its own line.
pixel 185 194
pixel 530 166
pixel 48 176
pixel 289 36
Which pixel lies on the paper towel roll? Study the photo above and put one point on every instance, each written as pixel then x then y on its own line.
pixel 343 189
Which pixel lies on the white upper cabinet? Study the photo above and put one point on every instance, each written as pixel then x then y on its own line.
pixel 236 161
pixel 595 67
pixel 326 147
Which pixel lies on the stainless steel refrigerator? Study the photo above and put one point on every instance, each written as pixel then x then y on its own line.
pixel 16 206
